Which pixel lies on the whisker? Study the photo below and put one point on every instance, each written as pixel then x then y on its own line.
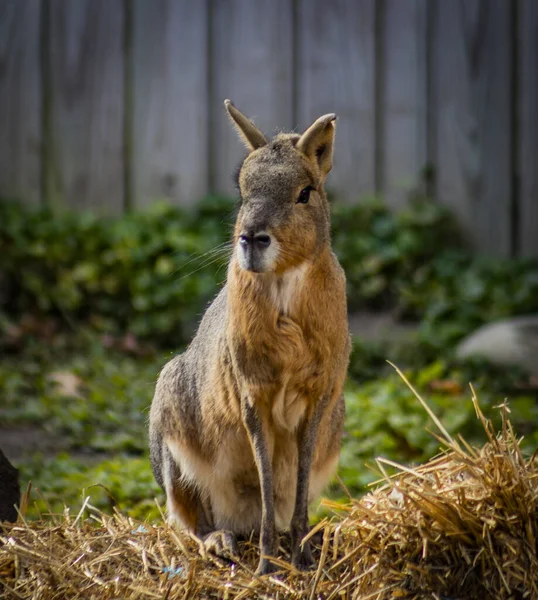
pixel 204 258
pixel 195 257
pixel 207 263
pixel 210 250
pixel 219 269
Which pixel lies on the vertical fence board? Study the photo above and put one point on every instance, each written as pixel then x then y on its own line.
pixel 528 128
pixel 87 70
pixel 336 73
pixel 472 45
pixel 170 102
pixel 252 66
pixel 404 99
pixel 20 101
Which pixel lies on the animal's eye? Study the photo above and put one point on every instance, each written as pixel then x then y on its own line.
pixel 304 196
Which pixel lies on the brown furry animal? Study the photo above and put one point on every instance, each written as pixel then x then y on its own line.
pixel 245 426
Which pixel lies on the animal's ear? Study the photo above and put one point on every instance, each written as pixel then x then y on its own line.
pixel 317 142
pixel 251 136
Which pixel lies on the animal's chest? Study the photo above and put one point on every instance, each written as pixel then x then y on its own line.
pixel 304 372
pixel 286 291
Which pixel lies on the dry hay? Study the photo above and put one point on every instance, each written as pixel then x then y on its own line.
pixel 463 525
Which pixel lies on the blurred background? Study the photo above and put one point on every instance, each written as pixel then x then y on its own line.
pixel 117 196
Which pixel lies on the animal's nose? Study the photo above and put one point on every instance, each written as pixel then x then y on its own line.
pixel 260 240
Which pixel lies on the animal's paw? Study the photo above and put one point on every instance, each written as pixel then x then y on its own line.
pixel 222 543
pixel 302 558
pixel 266 567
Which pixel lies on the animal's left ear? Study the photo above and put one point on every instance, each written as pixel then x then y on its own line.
pixel 317 142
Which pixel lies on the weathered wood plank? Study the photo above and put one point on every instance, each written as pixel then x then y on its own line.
pixel 87 71
pixel 528 128
pixel 170 101
pixel 404 99
pixel 336 73
pixel 20 101
pixel 252 65
pixel 473 92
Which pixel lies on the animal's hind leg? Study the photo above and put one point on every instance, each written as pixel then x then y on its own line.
pixel 183 501
pixel 188 510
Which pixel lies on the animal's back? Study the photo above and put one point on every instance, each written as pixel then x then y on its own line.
pixel 176 407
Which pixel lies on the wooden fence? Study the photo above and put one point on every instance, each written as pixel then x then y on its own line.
pixel 111 104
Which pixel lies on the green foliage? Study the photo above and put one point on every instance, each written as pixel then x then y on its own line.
pixel 130 273
pixel 123 482
pixel 102 406
pixel 456 293
pixel 369 361
pixel 93 403
pixel 414 262
pixel 381 250
pixel 385 419
pixel 151 273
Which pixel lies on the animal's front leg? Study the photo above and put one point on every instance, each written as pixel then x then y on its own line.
pixel 301 556
pixel 268 534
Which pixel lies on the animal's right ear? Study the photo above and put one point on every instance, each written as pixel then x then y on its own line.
pixel 250 135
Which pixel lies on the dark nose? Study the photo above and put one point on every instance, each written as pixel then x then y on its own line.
pixel 260 240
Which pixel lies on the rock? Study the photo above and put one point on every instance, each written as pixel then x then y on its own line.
pixel 512 342
pixel 10 493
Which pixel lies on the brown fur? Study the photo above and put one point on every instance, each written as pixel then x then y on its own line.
pixel 245 426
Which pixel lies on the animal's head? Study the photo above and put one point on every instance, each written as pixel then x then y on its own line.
pixel 284 215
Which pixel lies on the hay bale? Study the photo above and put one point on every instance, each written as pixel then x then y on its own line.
pixel 463 525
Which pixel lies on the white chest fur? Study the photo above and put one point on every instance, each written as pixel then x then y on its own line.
pixel 286 288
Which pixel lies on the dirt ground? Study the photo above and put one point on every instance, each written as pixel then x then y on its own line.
pixel 16 442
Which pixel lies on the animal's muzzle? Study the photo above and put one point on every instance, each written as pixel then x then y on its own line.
pixel 259 240
pixel 254 254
